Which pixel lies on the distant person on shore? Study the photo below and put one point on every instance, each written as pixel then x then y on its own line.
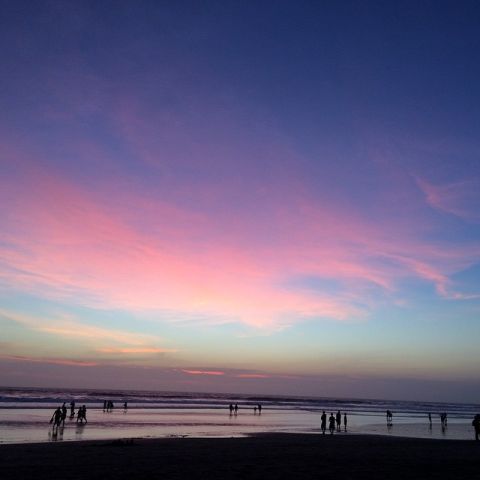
pixel 231 408
pixel 82 414
pixel 430 418
pixel 259 409
pixel 125 406
pixel 389 417
pixel 331 422
pixel 235 408
pixel 72 409
pixel 56 417
pixel 345 421
pixel 476 426
pixel 64 413
pixel 323 425
pixel 104 405
pixel 338 420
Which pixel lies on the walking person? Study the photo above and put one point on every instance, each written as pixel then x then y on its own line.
pixel 345 421
pixel 64 413
pixel 56 417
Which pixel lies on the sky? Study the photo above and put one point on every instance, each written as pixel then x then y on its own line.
pixel 254 197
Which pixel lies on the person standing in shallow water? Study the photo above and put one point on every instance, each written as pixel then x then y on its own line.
pixel 324 422
pixel 339 420
pixel 56 417
pixel 331 422
pixel 64 413
pixel 345 421
pixel 476 426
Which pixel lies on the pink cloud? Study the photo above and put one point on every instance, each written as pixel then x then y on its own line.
pixel 136 350
pixel 458 198
pixel 204 372
pixel 121 249
pixel 53 361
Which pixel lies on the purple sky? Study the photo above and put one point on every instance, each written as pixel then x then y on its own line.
pixel 241 196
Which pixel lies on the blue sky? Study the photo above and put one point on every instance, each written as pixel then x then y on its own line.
pixel 270 197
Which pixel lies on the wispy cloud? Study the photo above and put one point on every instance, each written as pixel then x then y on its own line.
pixel 65 242
pixel 125 342
pixel 459 198
pixel 53 361
pixel 204 372
pixel 136 350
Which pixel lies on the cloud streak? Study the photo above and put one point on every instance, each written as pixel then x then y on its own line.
pixel 68 243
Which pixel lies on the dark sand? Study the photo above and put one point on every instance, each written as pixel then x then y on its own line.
pixel 278 456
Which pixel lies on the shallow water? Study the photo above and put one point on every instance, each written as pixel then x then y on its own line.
pixel 25 415
pixel 31 425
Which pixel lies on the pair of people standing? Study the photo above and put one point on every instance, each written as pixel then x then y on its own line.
pixel 82 414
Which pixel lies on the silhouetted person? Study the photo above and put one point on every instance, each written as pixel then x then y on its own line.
pixel 430 418
pixel 345 421
pixel 235 409
pixel 72 409
pixel 476 426
pixel 331 424
pixel 125 406
pixel 231 408
pixel 104 405
pixel 324 422
pixel 389 417
pixel 259 409
pixel 339 420
pixel 56 417
pixel 64 413
pixel 82 414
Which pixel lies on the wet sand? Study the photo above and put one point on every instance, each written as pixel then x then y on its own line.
pixel 269 456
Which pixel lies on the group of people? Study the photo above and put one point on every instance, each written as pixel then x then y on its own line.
pixel 60 414
pixel 334 422
pixel 108 406
pixel 234 409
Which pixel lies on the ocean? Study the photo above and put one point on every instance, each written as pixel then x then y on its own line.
pixel 25 414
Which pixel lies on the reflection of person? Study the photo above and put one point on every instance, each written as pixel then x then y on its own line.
pixel 476 426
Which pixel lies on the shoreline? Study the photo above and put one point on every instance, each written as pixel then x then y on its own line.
pixel 264 455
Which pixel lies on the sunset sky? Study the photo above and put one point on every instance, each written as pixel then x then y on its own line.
pixel 241 196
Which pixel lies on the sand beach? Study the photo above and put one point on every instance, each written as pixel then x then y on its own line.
pixel 263 456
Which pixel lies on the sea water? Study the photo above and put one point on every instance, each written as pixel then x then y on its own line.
pixel 25 414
